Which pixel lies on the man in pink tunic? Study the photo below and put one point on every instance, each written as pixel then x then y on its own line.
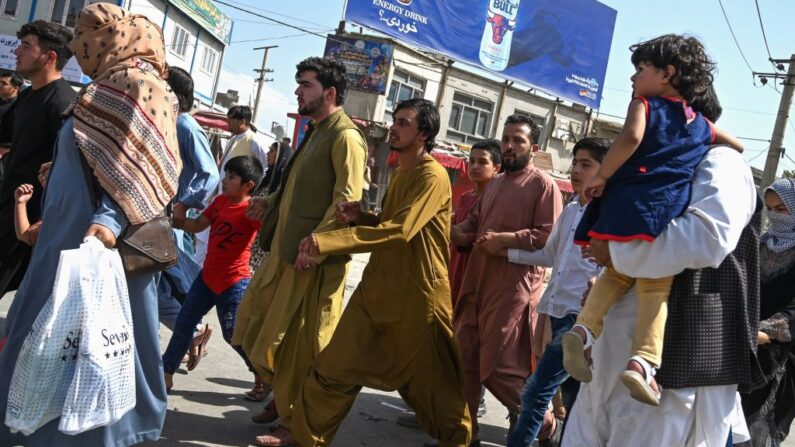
pixel 495 315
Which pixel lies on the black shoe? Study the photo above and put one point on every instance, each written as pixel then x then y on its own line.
pixel 482 408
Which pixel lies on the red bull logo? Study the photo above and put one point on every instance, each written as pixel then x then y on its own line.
pixel 499 26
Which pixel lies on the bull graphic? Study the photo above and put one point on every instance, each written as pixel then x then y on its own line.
pixel 499 26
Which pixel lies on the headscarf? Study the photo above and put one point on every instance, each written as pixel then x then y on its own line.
pixel 781 234
pixel 274 175
pixel 125 120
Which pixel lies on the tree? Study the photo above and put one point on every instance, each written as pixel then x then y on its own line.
pixel 788 173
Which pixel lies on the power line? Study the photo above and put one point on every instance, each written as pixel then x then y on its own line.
pixel 273 38
pixel 736 42
pixel 764 35
pixel 764 151
pixel 277 14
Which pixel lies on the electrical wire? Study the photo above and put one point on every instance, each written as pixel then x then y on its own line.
pixel 255 8
pixel 764 35
pixel 736 42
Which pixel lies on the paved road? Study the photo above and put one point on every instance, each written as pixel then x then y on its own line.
pixel 206 407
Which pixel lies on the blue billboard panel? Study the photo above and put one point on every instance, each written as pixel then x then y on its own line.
pixel 560 46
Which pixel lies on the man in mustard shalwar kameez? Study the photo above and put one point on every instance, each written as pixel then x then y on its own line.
pixel 294 302
pixel 396 332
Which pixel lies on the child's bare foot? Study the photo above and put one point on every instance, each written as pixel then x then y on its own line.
pixel 639 378
pixel 577 353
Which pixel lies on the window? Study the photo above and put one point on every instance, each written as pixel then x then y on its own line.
pixel 65 12
pixel 539 120
pixel 403 87
pixel 9 7
pixel 208 60
pixel 179 41
pixel 470 119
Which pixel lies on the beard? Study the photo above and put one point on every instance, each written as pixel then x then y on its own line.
pixel 518 163
pixel 311 107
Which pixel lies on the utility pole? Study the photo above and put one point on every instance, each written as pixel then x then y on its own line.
pixel 776 150
pixel 261 78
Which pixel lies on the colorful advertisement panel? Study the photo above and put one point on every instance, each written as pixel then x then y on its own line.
pixel 367 61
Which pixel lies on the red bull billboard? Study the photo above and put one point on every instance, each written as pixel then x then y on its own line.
pixel 559 46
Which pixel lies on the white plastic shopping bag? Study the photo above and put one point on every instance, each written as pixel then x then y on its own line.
pixel 54 375
pixel 103 385
pixel 49 354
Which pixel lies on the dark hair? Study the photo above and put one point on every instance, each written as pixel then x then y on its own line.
pixel 249 169
pixel 181 83
pixel 520 118
pixel 16 80
pixel 597 147
pixel 427 118
pixel 52 37
pixel 686 54
pixel 330 73
pixel 240 113
pixel 287 140
pixel 708 104
pixel 493 147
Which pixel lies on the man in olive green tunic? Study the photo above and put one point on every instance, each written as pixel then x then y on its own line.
pixel 294 301
pixel 396 332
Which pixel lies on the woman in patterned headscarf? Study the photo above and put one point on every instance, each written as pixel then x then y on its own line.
pixel 769 408
pixel 124 125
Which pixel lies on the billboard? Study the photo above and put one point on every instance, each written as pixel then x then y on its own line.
pixel 209 16
pixel 367 61
pixel 559 46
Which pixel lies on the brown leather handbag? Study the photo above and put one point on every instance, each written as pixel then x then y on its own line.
pixel 144 248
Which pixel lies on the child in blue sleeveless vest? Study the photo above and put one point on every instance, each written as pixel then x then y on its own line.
pixel 644 183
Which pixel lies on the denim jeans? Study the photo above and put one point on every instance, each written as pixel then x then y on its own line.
pixel 541 386
pixel 199 301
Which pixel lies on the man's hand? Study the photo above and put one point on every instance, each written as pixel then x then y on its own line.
pixel 595 187
pixel 491 243
pixel 103 233
pixel 304 263
pixel 598 252
pixel 256 209
pixel 458 237
pixel 762 338
pixel 23 193
pixel 309 247
pixel 348 212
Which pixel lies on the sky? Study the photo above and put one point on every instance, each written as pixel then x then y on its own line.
pixel 749 110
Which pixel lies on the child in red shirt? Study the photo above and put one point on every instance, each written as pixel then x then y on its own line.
pixel 225 274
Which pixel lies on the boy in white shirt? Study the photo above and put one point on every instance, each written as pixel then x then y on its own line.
pixel 562 299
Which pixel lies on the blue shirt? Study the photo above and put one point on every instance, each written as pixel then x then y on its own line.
pixel 199 177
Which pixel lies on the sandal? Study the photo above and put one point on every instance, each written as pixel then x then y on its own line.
pixel 574 347
pixel 259 393
pixel 640 385
pixel 198 348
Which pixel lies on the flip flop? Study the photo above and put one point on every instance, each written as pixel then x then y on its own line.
pixel 198 348
pixel 639 386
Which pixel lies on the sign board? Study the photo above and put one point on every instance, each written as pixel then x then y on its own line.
pixel 559 46
pixel 366 61
pixel 208 16
pixel 8 60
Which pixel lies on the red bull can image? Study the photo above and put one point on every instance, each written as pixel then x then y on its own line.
pixel 495 45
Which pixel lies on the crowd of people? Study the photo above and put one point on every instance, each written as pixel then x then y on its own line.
pixel 666 318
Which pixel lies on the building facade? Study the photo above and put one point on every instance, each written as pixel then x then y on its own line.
pixel 196 33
